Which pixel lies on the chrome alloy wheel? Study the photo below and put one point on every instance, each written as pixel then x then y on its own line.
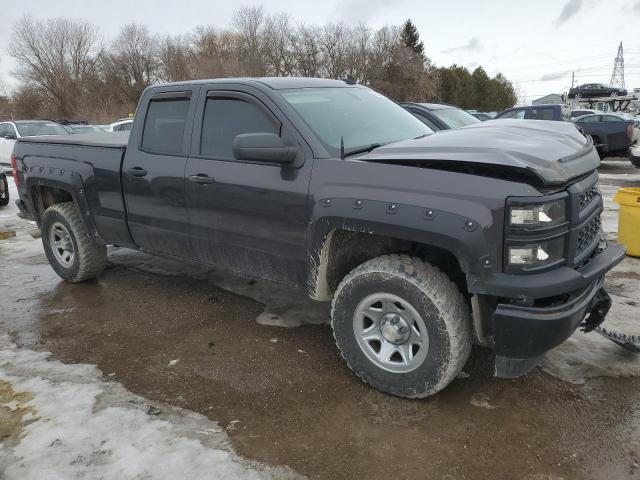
pixel 390 332
pixel 62 244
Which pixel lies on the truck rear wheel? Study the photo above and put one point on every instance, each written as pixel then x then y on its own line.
pixel 72 253
pixel 402 325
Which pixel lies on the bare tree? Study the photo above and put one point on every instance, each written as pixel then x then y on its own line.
pixel 176 59
pixel 277 49
pixel 306 50
pixel 249 23
pixel 132 63
pixel 55 57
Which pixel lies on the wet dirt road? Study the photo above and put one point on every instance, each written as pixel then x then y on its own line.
pixel 188 337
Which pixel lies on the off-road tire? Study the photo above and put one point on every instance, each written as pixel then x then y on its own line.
pixel 4 201
pixel 90 256
pixel 436 298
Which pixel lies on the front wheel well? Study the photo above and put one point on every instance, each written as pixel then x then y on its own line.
pixel 343 251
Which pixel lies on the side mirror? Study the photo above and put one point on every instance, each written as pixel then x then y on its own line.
pixel 263 147
pixel 10 136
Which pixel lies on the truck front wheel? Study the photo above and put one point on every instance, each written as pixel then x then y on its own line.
pixel 72 253
pixel 402 325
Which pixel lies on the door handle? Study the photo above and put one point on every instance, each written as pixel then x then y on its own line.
pixel 137 171
pixel 201 179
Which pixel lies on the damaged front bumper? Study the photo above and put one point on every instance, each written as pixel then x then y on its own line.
pixel 523 334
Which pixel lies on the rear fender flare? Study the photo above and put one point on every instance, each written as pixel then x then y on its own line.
pixel 67 175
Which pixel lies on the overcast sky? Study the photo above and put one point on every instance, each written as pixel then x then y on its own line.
pixel 536 44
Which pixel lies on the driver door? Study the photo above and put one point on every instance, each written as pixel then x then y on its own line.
pixel 246 216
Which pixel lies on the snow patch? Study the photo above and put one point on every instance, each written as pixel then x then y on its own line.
pixel 84 427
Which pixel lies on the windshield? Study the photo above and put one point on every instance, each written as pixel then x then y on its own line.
pixel 454 117
pixel 31 129
pixel 359 116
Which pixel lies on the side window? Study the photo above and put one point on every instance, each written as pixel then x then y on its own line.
pixel 125 127
pixel 3 130
pixel 425 120
pixel 164 125
pixel 590 119
pixel 542 113
pixel 611 118
pixel 224 118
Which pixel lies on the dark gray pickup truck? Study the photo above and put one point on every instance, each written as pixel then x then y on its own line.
pixel 425 242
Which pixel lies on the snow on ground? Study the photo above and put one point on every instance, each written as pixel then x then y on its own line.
pixel 64 421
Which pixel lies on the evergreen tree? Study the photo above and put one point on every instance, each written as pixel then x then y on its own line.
pixel 410 38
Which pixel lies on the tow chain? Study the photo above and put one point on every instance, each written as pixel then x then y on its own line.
pixel 628 342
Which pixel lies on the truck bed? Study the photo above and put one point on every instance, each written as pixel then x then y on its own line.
pixel 87 165
pixel 103 140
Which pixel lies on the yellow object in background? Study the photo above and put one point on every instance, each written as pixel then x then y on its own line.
pixel 629 219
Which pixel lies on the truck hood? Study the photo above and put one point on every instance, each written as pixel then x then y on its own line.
pixel 554 152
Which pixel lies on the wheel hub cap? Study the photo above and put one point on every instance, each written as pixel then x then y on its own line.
pixel 390 332
pixel 394 328
pixel 61 244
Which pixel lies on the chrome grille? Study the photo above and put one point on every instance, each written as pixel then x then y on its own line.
pixel 587 234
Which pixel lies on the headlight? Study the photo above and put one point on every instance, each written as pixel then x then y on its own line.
pixel 538 216
pixel 536 254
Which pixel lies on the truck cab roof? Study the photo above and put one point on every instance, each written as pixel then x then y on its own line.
pixel 275 83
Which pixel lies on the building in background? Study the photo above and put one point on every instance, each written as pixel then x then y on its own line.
pixel 553 98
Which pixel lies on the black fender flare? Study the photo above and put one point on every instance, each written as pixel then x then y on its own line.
pixel 460 235
pixel 68 175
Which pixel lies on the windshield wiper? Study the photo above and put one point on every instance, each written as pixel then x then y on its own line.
pixel 373 146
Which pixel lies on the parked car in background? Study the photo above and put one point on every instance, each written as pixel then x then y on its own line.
pixel 556 112
pixel 81 128
pixel 122 125
pixel 582 112
pixel 10 131
pixel 595 90
pixel 4 188
pixel 611 133
pixel 634 156
pixel 440 116
pixel 635 138
pixel 483 117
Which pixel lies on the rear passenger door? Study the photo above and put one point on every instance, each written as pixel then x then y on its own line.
pixel 245 216
pixel 153 172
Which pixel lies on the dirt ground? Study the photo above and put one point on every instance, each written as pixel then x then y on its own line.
pixel 260 361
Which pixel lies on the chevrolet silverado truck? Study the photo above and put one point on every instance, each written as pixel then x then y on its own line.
pixel 425 243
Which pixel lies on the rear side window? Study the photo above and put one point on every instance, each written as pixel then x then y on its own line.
pixel 542 114
pixel 224 118
pixel 164 125
pixel 611 118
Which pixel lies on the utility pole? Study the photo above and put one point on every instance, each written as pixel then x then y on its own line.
pixel 573 76
pixel 617 77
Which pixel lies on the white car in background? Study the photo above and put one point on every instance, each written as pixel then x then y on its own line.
pixel 11 131
pixel 122 125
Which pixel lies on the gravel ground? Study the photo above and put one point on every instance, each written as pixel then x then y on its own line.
pixel 164 370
